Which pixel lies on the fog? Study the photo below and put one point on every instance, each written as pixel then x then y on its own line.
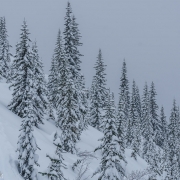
pixel 144 33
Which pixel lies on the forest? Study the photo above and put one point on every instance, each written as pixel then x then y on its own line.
pixel 64 100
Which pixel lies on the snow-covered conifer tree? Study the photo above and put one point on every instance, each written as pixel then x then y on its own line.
pixel 69 110
pixel 145 112
pixel 54 170
pixel 5 61
pixel 113 159
pixel 39 84
pixel 98 93
pixel 22 66
pixel 54 76
pixel 123 105
pixel 133 131
pixel 26 142
pixel 162 134
pixel 172 165
pixel 154 114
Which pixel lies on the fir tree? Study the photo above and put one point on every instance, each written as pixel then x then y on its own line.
pixel 123 105
pixel 40 85
pixel 54 171
pixel 145 112
pixel 113 159
pixel 84 108
pixel 154 114
pixel 69 110
pixel 5 61
pixel 172 166
pixel 163 130
pixel 133 133
pixel 27 144
pixel 22 66
pixel 99 93
pixel 54 76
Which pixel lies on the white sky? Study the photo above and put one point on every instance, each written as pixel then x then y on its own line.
pixel 145 33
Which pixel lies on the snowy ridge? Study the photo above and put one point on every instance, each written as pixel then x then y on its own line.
pixel 9 132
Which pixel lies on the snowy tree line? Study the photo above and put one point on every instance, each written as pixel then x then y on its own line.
pixel 134 124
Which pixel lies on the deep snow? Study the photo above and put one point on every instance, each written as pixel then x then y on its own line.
pixel 9 132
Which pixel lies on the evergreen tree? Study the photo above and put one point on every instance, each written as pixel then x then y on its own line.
pixel 40 85
pixel 69 110
pixel 113 159
pixel 145 113
pixel 162 134
pixel 22 66
pixel 27 144
pixel 5 61
pixel 54 76
pixel 84 111
pixel 151 154
pixel 54 171
pixel 133 133
pixel 99 93
pixel 123 105
pixel 172 166
pixel 138 103
pixel 154 114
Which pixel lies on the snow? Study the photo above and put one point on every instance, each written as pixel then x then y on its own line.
pixel 9 132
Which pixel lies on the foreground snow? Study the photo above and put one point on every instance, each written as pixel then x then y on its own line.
pixel 9 132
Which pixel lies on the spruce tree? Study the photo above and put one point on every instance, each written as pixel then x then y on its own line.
pixel 113 159
pixel 99 93
pixel 123 105
pixel 22 66
pixel 154 114
pixel 83 124
pixel 27 144
pixel 69 110
pixel 133 133
pixel 54 170
pixel 172 166
pixel 163 131
pixel 5 61
pixel 40 85
pixel 145 112
pixel 54 77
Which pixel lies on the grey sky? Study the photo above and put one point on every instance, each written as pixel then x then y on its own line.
pixel 145 33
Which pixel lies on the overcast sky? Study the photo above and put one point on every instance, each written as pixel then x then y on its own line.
pixel 145 33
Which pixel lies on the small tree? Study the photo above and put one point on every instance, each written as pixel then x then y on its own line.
pixel 54 170
pixel 27 144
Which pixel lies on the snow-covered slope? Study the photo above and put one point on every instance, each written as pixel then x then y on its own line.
pixel 9 132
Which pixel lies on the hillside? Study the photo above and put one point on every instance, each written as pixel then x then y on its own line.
pixel 9 132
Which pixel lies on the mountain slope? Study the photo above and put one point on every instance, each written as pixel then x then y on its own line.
pixel 9 132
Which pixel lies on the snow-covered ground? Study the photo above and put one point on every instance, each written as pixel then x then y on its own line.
pixel 9 132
